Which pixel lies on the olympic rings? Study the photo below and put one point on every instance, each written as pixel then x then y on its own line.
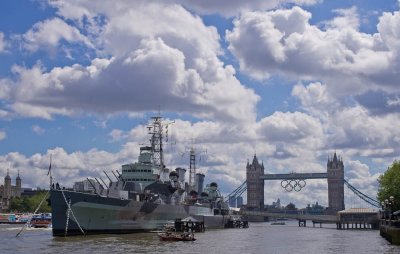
pixel 293 184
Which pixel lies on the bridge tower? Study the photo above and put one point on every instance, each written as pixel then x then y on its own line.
pixel 335 170
pixel 255 185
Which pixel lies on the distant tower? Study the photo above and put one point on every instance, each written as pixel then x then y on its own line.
pixel 18 188
pixel 255 185
pixel 7 186
pixel 335 169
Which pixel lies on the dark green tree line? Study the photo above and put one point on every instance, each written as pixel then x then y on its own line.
pixel 29 204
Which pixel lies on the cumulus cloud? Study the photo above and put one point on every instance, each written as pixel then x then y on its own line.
pixel 355 128
pixel 359 175
pixel 379 102
pixel 352 126
pixel 129 84
pixel 150 62
pixel 315 99
pixel 340 55
pixel 346 18
pixel 66 167
pixel 50 32
pixel 289 127
pixel 235 7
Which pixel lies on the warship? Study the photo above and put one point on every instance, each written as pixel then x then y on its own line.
pixel 144 197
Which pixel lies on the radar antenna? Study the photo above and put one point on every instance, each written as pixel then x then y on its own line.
pixel 192 165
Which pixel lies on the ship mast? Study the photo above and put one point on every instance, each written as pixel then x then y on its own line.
pixel 156 131
pixel 192 167
pixel 156 141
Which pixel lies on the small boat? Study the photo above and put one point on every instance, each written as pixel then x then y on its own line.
pixel 278 223
pixel 170 236
pixel 9 218
pixel 42 220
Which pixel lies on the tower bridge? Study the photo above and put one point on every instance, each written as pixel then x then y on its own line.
pixel 255 182
pixel 256 178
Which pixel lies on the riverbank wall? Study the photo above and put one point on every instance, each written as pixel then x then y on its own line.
pixel 390 230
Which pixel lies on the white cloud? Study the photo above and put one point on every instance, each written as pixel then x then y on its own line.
pixel 350 125
pixel 3 43
pixel 117 135
pixel 393 102
pixel 360 176
pixel 66 168
pixel 3 135
pixel 235 7
pixel 346 18
pixel 340 56
pixel 150 62
pixel 355 128
pixel 315 99
pixel 38 130
pixel 50 32
pixel 289 127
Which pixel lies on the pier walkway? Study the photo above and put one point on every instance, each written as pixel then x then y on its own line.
pixel 355 218
pixel 302 217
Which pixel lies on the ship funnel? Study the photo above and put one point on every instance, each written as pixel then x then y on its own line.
pixel 199 182
pixel 181 173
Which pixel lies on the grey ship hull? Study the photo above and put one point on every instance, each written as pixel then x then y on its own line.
pixel 102 215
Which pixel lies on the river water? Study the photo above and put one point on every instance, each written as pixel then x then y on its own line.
pixel 258 238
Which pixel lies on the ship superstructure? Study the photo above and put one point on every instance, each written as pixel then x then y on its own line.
pixel 145 196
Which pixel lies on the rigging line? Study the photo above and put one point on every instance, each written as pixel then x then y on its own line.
pixel 30 218
pixel 68 214
pixel 72 212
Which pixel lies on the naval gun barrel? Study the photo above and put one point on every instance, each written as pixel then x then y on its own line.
pixel 94 188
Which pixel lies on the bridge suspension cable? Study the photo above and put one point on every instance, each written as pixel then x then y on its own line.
pixel 237 192
pixel 363 196
pixel 243 187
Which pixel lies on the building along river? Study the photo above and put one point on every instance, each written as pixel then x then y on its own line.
pixel 258 238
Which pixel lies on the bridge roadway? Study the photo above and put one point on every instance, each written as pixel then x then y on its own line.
pixel 315 218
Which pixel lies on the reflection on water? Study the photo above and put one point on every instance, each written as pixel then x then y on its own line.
pixel 259 238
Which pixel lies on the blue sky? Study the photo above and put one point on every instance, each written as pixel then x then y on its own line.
pixel 290 80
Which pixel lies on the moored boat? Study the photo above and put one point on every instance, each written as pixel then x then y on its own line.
pixel 170 236
pixel 42 220
pixel 278 223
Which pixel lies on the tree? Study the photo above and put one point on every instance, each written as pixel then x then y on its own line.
pixel 29 204
pixel 291 206
pixel 16 204
pixel 389 185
